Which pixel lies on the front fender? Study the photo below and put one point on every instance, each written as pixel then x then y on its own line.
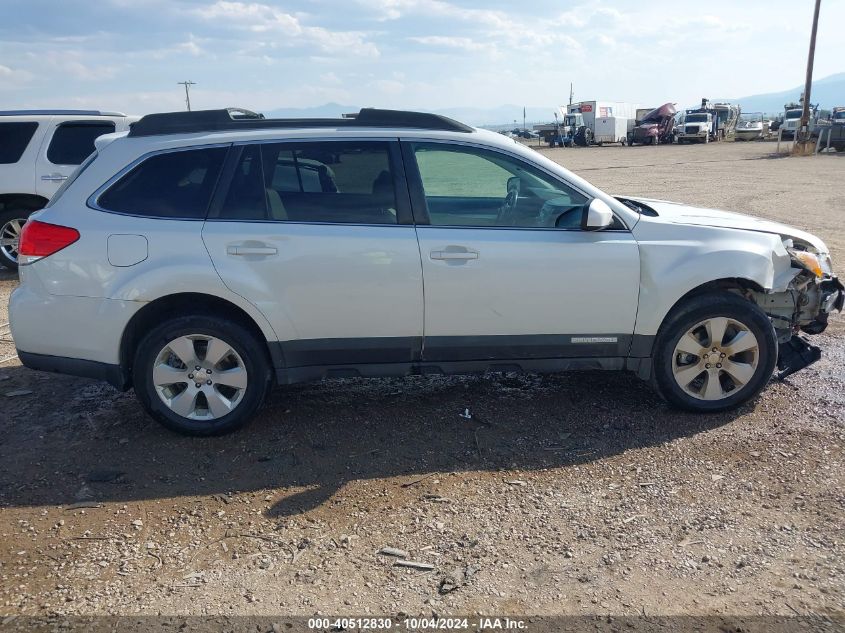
pixel 676 259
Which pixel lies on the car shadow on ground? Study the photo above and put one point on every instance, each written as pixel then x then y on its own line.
pixel 311 439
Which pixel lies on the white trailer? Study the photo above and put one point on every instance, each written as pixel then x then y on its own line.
pixel 603 110
pixel 612 130
pixel 594 111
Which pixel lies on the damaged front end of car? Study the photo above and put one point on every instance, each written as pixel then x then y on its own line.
pixel 812 292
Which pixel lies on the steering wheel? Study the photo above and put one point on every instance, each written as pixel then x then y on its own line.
pixel 508 208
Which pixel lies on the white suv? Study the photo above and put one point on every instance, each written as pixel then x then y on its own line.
pixel 204 256
pixel 38 151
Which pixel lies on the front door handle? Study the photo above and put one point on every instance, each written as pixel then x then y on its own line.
pixel 53 177
pixel 251 250
pixel 454 255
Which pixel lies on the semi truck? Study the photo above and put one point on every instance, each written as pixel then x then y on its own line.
pixel 656 126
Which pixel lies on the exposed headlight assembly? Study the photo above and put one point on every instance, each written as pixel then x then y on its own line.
pixel 808 261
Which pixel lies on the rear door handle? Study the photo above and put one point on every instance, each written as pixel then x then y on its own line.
pixel 251 250
pixel 454 255
pixel 53 177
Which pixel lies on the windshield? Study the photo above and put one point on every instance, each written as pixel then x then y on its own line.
pixel 570 119
pixel 696 118
pixel 793 114
pixel 839 116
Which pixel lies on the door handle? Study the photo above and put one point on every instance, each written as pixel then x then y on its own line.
pixel 454 255
pixel 53 177
pixel 251 250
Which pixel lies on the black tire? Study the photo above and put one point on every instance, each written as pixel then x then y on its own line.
pixel 251 350
pixel 696 310
pixel 8 259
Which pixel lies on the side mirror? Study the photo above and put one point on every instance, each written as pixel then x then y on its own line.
pixel 597 216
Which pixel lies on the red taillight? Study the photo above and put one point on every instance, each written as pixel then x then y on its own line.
pixel 40 239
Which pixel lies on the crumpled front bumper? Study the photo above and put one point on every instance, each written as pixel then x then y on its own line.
pixel 833 295
pixel 832 299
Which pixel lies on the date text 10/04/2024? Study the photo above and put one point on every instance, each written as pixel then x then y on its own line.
pixel 480 623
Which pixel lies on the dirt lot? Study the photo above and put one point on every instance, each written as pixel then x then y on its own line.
pixel 572 494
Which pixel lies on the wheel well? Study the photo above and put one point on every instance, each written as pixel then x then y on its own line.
pixel 24 201
pixel 735 284
pixel 178 305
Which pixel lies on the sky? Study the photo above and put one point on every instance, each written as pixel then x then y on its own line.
pixel 128 55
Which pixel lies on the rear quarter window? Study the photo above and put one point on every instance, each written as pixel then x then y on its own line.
pixel 175 185
pixel 14 137
pixel 73 142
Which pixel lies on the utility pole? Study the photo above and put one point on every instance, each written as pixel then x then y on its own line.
pixel 571 93
pixel 803 135
pixel 187 84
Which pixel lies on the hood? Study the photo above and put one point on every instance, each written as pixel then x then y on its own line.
pixel 675 213
pixel 658 114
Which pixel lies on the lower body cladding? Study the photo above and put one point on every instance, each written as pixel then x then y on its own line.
pixel 308 360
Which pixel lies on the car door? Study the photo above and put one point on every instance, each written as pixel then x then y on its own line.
pixel 508 272
pixel 319 236
pixel 65 147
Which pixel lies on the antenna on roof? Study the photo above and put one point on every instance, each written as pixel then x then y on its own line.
pixel 187 93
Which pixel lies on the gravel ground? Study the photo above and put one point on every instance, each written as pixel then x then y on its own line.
pixel 569 494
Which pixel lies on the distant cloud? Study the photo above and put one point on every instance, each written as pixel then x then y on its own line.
pixel 264 19
pixel 270 54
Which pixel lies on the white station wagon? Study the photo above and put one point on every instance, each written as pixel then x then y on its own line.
pixel 202 257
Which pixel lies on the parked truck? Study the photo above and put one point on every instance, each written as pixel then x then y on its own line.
pixel 562 132
pixel 837 130
pixel 698 127
pixel 657 126
pixel 709 122
pixel 819 119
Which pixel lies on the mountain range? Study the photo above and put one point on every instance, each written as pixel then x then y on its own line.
pixel 828 92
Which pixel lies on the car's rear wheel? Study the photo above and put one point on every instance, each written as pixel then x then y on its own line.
pixel 201 375
pixel 714 352
pixel 11 225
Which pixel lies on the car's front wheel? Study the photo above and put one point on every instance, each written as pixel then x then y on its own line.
pixel 201 375
pixel 714 352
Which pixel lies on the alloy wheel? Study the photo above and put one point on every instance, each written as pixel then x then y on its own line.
pixel 10 238
pixel 200 377
pixel 715 358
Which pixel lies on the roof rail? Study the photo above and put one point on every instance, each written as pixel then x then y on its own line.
pixel 60 113
pixel 239 119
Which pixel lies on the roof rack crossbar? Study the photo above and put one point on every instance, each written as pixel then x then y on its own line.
pixel 239 119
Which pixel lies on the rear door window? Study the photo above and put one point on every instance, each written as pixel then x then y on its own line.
pixel 14 137
pixel 169 185
pixel 334 181
pixel 73 142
